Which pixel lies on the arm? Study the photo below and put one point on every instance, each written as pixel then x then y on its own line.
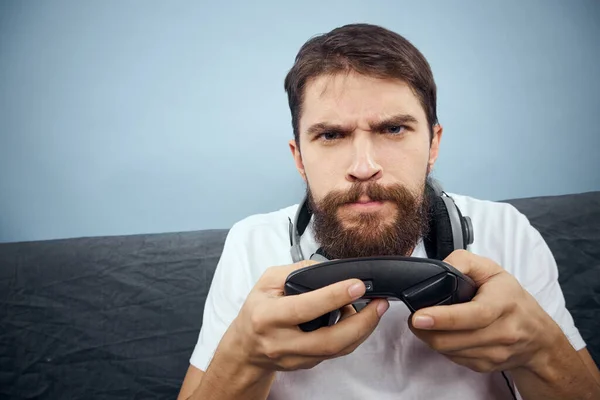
pixel 559 373
pixel 504 328
pixel 590 364
pixel 568 366
pixel 191 381
pixel 230 378
pixel 239 383
pixel 265 337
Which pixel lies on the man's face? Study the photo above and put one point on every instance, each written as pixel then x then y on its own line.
pixel 365 154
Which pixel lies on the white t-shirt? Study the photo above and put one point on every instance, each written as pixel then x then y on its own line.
pixel 392 363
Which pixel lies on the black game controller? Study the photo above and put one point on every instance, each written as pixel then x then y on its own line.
pixel 418 282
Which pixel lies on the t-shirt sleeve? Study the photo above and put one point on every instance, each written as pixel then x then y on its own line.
pixel 228 291
pixel 538 273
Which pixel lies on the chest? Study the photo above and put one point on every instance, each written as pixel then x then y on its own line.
pixel 391 364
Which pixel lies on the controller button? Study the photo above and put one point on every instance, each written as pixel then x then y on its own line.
pixel 431 291
pixel 446 302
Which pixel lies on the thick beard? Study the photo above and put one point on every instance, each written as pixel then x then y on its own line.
pixel 368 235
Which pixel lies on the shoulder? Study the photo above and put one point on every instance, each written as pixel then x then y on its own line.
pixel 501 232
pixel 272 224
pixel 259 241
pixel 487 208
pixel 494 223
pixel 493 219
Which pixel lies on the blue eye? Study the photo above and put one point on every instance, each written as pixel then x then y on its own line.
pixel 330 135
pixel 395 129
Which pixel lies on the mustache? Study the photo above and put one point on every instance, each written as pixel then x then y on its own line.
pixel 395 193
pixel 369 236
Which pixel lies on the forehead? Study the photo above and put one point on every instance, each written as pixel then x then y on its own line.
pixel 355 99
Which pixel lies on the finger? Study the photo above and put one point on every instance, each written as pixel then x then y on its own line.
pixel 489 304
pixel 347 311
pixel 294 310
pixel 343 337
pixel 478 268
pixel 452 342
pixel 476 314
pixel 447 342
pixel 274 278
pixel 486 359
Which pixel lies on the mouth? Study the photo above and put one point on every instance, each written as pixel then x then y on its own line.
pixel 364 203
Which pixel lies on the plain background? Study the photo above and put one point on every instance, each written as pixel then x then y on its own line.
pixel 121 117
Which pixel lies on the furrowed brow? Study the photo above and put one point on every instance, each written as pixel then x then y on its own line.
pixel 400 119
pixel 321 127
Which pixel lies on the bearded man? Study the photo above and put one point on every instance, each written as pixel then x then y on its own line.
pixel 366 138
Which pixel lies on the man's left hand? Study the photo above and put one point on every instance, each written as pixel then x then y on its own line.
pixel 501 329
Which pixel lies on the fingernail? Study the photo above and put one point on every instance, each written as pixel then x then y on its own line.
pixel 423 322
pixel 356 290
pixel 382 308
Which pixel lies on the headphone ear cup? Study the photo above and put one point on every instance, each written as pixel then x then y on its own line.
pixel 466 228
pixel 439 242
pixel 463 228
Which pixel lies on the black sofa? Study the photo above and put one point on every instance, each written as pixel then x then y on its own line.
pixel 118 317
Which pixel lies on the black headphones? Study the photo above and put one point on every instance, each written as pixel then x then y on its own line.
pixel 448 229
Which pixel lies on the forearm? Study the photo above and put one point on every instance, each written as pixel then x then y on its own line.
pixel 227 378
pixel 559 374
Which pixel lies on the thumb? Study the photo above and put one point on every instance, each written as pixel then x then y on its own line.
pixel 478 268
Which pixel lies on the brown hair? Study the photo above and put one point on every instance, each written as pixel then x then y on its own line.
pixel 366 49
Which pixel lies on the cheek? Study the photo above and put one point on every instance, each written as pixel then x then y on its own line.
pixel 324 173
pixel 407 163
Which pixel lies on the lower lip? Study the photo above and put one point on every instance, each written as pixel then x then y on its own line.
pixel 371 205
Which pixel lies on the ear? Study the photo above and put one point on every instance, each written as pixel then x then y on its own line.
pixel 434 148
pixel 297 158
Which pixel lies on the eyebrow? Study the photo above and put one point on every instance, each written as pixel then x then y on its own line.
pixel 399 119
pixel 327 127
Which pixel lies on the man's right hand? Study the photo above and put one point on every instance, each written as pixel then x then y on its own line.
pixel 267 331
pixel 265 336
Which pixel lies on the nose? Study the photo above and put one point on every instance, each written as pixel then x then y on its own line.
pixel 364 166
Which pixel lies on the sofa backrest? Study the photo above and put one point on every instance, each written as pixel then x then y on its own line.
pixel 102 318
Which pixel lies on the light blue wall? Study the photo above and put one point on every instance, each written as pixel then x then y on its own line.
pixel 120 117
